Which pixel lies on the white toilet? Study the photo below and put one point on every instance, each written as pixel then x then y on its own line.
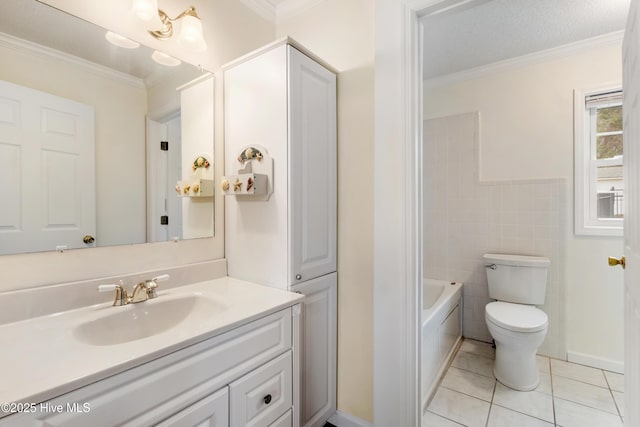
pixel 518 283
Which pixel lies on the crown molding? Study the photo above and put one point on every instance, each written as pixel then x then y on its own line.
pixel 284 10
pixel 289 8
pixel 264 8
pixel 532 58
pixel 36 50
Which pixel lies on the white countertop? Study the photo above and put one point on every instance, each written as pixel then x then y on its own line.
pixel 41 358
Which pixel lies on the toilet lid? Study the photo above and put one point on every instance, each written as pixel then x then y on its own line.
pixel 516 317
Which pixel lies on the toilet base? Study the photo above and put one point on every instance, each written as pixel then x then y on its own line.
pixel 516 369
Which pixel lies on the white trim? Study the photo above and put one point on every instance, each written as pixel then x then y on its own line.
pixel 531 58
pixel 282 11
pixel 281 41
pixel 195 81
pixel 582 157
pixel 596 362
pixel 398 210
pixel 39 51
pixel 264 8
pixel 342 419
pixel 290 8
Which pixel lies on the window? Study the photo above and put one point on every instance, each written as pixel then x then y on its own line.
pixel 599 184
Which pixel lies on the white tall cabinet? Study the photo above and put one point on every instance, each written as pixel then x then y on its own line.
pixel 282 102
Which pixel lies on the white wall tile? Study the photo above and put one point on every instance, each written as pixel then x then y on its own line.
pixel 527 217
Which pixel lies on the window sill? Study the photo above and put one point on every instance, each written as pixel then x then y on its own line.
pixel 600 230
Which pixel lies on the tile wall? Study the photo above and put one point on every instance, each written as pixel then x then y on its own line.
pixel 466 217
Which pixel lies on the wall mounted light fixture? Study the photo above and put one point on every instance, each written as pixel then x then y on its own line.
pixel 191 36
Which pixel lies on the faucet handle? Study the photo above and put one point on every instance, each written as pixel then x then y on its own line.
pixel 152 285
pixel 121 294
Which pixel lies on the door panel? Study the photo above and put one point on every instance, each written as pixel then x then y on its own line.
pixel 47 181
pixel 312 162
pixel 319 338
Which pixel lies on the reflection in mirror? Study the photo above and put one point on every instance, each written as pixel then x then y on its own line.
pixel 98 142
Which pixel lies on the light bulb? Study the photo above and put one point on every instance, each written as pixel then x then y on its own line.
pixel 191 36
pixel 146 9
pixel 164 59
pixel 120 41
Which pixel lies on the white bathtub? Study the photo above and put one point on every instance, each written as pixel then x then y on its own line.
pixel 441 331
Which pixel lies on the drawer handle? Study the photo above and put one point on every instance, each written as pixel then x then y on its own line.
pixel 267 399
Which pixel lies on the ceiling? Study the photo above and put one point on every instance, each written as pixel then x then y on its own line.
pixel 482 32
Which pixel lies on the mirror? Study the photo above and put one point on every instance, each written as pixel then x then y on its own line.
pixel 100 145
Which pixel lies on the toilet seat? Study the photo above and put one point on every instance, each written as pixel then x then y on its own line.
pixel 516 317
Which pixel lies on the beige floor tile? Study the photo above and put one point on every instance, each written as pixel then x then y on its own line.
pixel 474 363
pixel 619 398
pixel 616 381
pixel 569 414
pixel 533 403
pixel 545 383
pixel 478 347
pixel 586 394
pixel 543 363
pixel 460 408
pixel 503 417
pixel 429 419
pixel 470 383
pixel 577 372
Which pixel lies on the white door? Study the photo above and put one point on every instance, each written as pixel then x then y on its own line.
pixel 319 338
pixel 163 172
pixel 312 168
pixel 631 108
pixel 47 171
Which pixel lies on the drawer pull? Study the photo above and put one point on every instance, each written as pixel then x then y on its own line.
pixel 267 399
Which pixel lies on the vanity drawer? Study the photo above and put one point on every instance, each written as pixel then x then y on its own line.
pixel 211 411
pixel 263 395
pixel 284 421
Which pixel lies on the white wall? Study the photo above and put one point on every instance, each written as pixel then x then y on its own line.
pixel 527 133
pixel 197 133
pixel 118 104
pixel 231 30
pixel 341 33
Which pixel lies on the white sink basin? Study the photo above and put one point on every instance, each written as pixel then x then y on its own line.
pixel 136 321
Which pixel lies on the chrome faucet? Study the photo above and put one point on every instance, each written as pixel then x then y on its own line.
pixel 141 292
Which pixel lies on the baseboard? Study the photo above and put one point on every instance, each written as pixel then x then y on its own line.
pixel 596 362
pixel 342 419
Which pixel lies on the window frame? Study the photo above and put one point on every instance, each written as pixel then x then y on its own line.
pixel 585 169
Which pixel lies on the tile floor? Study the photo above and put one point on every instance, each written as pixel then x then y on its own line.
pixel 569 395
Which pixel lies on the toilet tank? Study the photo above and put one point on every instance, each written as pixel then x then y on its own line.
pixel 517 278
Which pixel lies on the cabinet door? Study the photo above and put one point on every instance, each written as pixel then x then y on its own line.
pixel 312 168
pixel 263 395
pixel 212 411
pixel 318 370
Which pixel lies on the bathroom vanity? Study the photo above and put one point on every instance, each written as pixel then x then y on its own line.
pixel 223 351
